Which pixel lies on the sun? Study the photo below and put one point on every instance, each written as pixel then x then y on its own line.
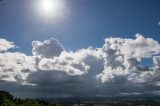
pixel 47 5
pixel 50 8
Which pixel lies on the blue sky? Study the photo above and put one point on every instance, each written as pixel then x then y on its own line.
pixel 87 24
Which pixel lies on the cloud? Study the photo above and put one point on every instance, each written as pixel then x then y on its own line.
pixel 156 60
pixel 123 57
pixel 5 45
pixel 73 63
pixel 139 47
pixel 76 70
pixel 15 66
pixel 111 70
pixel 48 49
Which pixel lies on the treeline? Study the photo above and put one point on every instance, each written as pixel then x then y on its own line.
pixel 6 99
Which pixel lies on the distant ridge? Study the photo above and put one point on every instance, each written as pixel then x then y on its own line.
pixel 134 97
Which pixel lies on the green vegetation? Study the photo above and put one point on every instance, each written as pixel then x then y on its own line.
pixel 7 99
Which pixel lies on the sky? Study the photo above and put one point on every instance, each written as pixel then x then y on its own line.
pixel 101 45
pixel 90 21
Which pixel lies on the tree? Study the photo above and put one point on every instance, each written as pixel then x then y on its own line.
pixel 6 99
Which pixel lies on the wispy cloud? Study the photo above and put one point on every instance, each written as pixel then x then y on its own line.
pixel 5 45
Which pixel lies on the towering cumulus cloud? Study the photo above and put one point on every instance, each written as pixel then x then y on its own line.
pixel 47 49
pixel 114 69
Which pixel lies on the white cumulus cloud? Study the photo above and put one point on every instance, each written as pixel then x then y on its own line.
pixel 112 69
pixel 48 48
pixel 15 66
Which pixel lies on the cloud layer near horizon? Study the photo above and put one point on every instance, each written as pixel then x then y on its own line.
pixel 52 71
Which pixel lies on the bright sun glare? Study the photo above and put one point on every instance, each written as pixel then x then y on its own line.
pixel 50 7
